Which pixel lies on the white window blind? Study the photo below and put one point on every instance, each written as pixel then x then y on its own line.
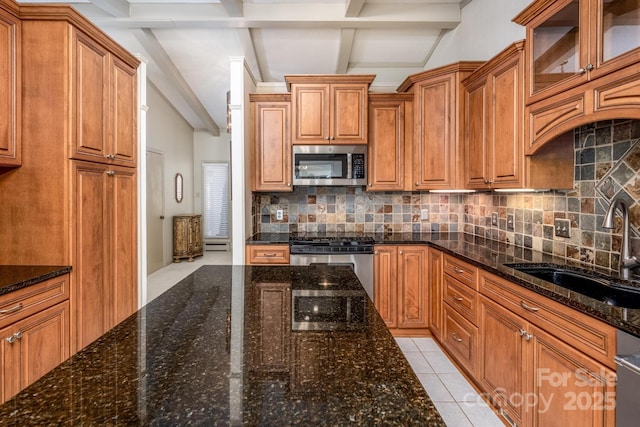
pixel 215 212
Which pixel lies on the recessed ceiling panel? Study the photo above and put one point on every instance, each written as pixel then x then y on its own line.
pixel 382 46
pixel 296 51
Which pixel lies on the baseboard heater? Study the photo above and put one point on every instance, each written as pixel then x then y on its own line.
pixel 221 245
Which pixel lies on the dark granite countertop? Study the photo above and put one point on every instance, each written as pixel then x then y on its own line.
pixel 14 277
pixel 197 355
pixel 491 256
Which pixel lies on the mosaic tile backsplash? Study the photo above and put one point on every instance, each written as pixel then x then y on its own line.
pixel 607 165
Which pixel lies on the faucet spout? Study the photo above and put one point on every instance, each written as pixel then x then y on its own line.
pixel 627 261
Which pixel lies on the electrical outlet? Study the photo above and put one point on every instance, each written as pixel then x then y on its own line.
pixel 279 215
pixel 562 227
pixel 494 218
pixel 510 222
pixel 424 214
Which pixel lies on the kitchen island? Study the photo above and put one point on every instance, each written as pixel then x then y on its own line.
pixel 230 345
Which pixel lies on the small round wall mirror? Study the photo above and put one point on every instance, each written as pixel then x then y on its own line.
pixel 178 187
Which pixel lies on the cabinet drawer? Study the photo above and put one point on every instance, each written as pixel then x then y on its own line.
pixel 27 301
pixel 579 330
pixel 267 254
pixel 462 299
pixel 460 338
pixel 460 270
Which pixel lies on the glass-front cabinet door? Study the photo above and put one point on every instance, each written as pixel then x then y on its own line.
pixel 556 47
pixel 619 28
pixel 573 41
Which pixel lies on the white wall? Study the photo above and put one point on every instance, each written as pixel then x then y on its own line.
pixel 170 134
pixel 485 30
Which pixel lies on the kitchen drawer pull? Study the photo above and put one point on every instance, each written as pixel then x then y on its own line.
pixel 270 254
pixel 457 298
pixel 456 337
pixel 458 270
pixel 528 307
pixel 12 309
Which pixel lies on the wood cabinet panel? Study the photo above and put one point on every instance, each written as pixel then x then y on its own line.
pixel 267 254
pixel 32 347
pixel 583 332
pixel 478 149
pixel 390 136
pixel 329 109
pixel 123 112
pixel 460 337
pixel 439 117
pixel 385 293
pixel 503 357
pixel 461 271
pixel 271 143
pixel 461 298
pixel 413 306
pixel 400 288
pixel 436 291
pixel 27 301
pixel 572 389
pixel 90 98
pixel 10 89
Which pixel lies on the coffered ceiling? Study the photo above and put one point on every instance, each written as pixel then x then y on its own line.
pixel 187 44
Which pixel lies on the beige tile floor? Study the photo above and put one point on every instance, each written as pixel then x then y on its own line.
pixel 458 403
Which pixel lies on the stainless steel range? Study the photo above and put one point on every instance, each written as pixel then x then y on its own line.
pixel 354 251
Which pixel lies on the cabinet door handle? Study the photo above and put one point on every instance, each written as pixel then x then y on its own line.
pixel 400 252
pixel 457 298
pixel 527 336
pixel 528 307
pixel 14 337
pixel 12 309
pixel 458 270
pixel 456 337
pixel 111 173
pixel 270 254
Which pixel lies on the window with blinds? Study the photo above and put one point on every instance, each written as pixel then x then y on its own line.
pixel 215 199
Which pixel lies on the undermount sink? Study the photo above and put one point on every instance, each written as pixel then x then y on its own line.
pixel 585 283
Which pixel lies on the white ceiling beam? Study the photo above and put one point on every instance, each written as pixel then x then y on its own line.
pixel 256 15
pixel 116 8
pixel 233 7
pixel 353 8
pixel 162 60
pixel 344 53
pixel 250 56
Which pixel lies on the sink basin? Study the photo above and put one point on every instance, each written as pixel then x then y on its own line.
pixel 585 283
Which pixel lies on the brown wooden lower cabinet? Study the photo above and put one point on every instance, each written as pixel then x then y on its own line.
pixel 538 362
pixel 32 347
pixel 401 292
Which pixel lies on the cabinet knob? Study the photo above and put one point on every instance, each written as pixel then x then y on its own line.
pixel 327 138
pixel 400 252
pixel 14 337
pixel 369 184
pixel 110 156
pixel 288 184
pixel 111 173
pixel 590 67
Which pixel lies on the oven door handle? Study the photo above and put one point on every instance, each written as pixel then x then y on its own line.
pixel 621 361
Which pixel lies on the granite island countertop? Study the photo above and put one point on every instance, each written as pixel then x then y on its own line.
pixel 215 350
pixel 492 256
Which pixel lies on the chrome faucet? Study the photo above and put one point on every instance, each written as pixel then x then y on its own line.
pixel 627 261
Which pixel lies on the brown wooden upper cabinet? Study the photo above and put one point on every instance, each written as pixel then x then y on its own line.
pixel 494 151
pixel 572 41
pixel 105 98
pixel 581 61
pixel 390 138
pixel 271 142
pixel 329 109
pixel 10 93
pixel 439 126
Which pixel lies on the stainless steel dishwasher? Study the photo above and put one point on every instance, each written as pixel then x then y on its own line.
pixel 628 384
pixel 354 251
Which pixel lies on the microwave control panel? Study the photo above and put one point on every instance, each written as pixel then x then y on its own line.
pixel 357 161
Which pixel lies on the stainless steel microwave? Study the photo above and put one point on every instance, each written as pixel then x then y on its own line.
pixel 329 165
